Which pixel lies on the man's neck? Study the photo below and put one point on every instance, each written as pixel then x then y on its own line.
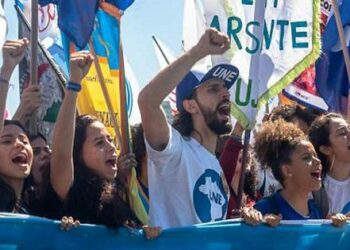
pixel 206 138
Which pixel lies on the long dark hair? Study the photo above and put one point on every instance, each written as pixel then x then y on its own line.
pixel 138 146
pixel 183 123
pixel 319 132
pixel 16 123
pixel 8 199
pixel 112 206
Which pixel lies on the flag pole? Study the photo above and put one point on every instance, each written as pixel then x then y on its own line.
pixel 255 63
pixel 60 75
pixel 123 110
pixel 343 46
pixel 161 50
pixel 34 59
pixel 243 168
pixel 106 97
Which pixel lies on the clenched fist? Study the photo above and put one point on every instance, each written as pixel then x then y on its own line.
pixel 80 63
pixel 12 53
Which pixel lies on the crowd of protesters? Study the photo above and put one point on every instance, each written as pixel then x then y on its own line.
pixel 188 172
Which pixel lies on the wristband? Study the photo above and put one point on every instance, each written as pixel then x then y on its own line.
pixel 3 81
pixel 72 86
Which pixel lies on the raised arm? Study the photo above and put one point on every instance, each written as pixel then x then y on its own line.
pixel 30 101
pixel 12 54
pixel 153 119
pixel 62 169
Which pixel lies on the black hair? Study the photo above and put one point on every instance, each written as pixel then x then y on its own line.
pixel 110 199
pixel 183 123
pixel 288 112
pixel 138 146
pixel 16 123
pixel 319 132
pixel 36 136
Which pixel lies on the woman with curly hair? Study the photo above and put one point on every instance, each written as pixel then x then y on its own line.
pixel 293 159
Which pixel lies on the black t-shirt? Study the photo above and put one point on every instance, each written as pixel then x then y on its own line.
pixel 8 200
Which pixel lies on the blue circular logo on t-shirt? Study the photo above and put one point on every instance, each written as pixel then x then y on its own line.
pixel 209 197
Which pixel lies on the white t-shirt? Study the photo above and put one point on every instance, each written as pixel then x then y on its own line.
pixel 338 193
pixel 186 184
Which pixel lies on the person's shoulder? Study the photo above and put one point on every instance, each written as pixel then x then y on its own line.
pixel 269 205
pixel 263 205
pixel 314 210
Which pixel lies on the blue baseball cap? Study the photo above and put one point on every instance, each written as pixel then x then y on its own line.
pixel 226 72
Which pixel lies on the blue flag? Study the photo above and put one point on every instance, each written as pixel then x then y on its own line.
pixel 121 4
pixel 76 17
pixel 331 78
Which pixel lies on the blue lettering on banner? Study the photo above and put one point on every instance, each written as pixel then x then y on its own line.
pixel 281 30
pixel 209 197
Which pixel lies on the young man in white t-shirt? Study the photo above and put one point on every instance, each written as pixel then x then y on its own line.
pixel 186 182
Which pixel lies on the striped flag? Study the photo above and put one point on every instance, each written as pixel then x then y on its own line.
pixel 49 76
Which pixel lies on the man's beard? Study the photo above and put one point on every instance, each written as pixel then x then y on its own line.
pixel 213 122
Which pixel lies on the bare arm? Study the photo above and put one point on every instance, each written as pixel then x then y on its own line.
pixel 13 53
pixel 62 168
pixel 30 101
pixel 153 119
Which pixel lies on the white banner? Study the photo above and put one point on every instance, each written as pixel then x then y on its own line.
pixel 273 41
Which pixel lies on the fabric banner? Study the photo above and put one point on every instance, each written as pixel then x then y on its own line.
pixel 272 43
pixel 25 232
pixel 49 33
pixel 3 26
pixel 331 78
pixel 106 42
pixel 51 84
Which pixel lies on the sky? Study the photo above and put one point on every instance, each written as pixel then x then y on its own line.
pixel 144 18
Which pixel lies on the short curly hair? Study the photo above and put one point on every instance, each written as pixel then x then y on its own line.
pixel 275 142
pixel 288 112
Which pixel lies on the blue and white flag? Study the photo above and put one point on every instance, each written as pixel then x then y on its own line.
pixel 331 79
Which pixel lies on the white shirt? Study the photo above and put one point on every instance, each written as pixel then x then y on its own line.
pixel 338 193
pixel 186 184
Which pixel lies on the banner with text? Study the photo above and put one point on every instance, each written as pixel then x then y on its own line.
pixel 273 41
